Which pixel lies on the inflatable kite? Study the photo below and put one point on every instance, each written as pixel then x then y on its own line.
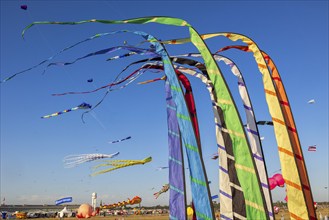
pixel 85 211
pixel 134 201
pixel 276 180
pixel 81 106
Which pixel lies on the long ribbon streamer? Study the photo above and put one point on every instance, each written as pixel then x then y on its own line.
pixel 63 50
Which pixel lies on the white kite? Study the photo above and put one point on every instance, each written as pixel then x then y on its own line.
pixel 312 101
pixel 75 160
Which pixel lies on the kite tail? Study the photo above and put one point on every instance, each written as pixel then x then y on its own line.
pixel 156 195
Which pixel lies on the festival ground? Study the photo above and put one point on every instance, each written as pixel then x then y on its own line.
pixel 320 212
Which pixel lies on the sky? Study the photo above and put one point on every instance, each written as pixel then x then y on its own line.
pixel 293 33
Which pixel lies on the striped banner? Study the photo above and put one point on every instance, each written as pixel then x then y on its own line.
pixel 177 196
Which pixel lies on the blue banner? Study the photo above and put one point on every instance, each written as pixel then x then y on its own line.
pixel 63 200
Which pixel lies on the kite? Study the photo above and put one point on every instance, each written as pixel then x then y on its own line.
pixel 90 80
pixel 264 122
pixel 81 106
pixel 312 101
pixel 24 7
pixel 276 180
pixel 164 189
pixel 117 141
pixel 117 164
pixel 133 201
pixel 312 148
pixel 162 168
pixel 75 160
pixel 63 200
pixel 214 156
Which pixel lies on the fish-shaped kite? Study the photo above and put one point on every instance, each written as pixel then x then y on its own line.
pixel 81 106
pixel 75 160
pixel 164 189
pixel 117 164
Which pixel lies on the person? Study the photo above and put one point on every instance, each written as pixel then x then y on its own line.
pixel 4 215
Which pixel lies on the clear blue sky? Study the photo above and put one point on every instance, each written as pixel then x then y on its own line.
pixel 293 33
